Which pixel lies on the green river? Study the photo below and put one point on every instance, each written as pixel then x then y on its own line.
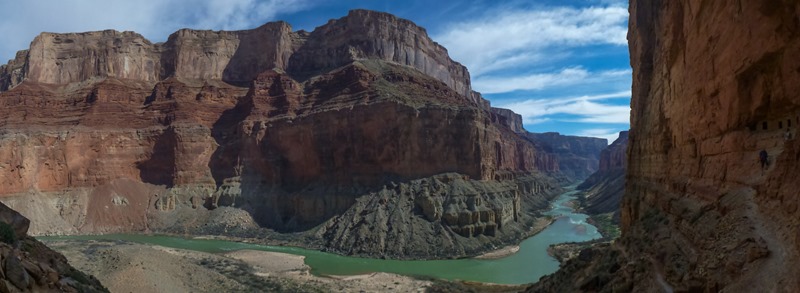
pixel 525 266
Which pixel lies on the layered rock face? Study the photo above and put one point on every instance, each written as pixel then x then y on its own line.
pixel 379 223
pixel 508 119
pixel 578 157
pixel 714 84
pixel 29 266
pixel 374 35
pixel 126 135
pixel 604 189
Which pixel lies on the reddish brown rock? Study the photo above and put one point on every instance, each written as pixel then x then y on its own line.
pixel 365 34
pixel 67 58
pixel 232 56
pixel 714 84
pixel 291 129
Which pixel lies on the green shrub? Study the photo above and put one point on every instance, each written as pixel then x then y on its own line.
pixel 7 233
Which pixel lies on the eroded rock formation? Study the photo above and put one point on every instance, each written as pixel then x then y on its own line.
pixel 414 218
pixel 29 266
pixel 714 83
pixel 264 127
pixel 604 189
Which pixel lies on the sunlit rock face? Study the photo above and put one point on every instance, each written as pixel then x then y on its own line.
pixel 289 130
pixel 714 84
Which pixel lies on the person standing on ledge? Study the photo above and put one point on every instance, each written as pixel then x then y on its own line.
pixel 787 135
pixel 763 157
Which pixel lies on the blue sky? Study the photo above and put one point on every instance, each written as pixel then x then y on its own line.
pixel 562 65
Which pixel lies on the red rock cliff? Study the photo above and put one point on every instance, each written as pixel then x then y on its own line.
pixel 290 128
pixel 714 84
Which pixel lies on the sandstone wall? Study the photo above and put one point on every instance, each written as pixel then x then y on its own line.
pixel 234 56
pixel 714 84
pixel 508 119
pixel 578 157
pixel 237 56
pixel 367 34
pixel 67 58
pixel 264 127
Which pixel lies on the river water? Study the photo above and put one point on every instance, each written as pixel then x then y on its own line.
pixel 525 266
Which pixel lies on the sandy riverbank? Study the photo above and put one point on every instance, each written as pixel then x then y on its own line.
pixel 539 225
pixel 132 267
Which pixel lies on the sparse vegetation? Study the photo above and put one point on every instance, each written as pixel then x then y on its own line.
pixel 605 225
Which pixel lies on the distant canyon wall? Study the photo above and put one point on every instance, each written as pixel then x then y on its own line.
pixel 578 157
pixel 215 132
pixel 604 188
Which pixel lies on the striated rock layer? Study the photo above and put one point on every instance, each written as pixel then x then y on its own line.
pixel 714 84
pixel 216 131
pixel 604 189
pixel 578 157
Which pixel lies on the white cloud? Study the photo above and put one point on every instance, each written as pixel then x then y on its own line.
pixel 565 77
pixel 155 19
pixel 589 109
pixel 509 38
pixel 610 134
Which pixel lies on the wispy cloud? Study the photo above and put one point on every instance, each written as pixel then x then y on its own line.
pixel 610 134
pixel 587 109
pixel 510 38
pixel 155 19
pixel 565 77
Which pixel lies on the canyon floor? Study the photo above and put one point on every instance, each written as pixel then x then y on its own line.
pixel 132 267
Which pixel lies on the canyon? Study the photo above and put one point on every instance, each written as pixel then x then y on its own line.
pixel 713 86
pixel 361 137
pixel 603 190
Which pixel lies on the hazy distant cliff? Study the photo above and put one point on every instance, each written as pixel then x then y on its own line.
pixel 578 157
pixel 604 188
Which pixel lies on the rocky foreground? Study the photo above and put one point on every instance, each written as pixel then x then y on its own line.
pixel 361 137
pixel 29 266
